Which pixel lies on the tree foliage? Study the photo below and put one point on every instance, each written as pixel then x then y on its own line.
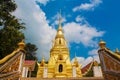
pixel 6 18
pixel 10 28
pixel 30 51
pixel 10 31
pixel 9 38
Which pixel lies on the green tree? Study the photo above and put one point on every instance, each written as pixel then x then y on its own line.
pixel 30 51
pixel 31 55
pixel 6 19
pixel 9 38
pixel 10 28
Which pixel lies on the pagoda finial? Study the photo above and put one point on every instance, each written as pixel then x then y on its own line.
pixel 76 61
pixel 43 58
pixel 117 50
pixel 60 20
pixel 21 45
pixel 75 54
pixel 42 62
pixel 102 44
pixel 75 57
pixel 59 31
pixel 95 62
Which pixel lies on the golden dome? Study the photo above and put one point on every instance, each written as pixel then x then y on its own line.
pixel 102 42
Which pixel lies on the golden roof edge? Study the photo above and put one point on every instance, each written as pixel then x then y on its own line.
pixel 8 56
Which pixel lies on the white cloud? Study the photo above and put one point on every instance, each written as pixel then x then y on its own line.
pixel 81 33
pixel 40 33
pixel 96 57
pixel 37 29
pixel 44 2
pixel 87 6
pixel 93 52
pixel 80 59
pixel 79 18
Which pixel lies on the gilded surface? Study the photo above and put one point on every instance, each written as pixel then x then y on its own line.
pixel 9 65
pixel 59 64
pixel 21 47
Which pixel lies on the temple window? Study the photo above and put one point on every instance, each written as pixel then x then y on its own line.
pixel 59 41
pixel 60 68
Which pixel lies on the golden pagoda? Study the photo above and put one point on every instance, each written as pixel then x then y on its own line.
pixel 59 64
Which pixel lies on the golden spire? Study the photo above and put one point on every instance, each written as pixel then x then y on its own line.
pixel 75 57
pixel 59 39
pixel 76 61
pixel 59 31
pixel 95 62
pixel 60 21
pixel 43 62
pixel 116 51
pixel 43 59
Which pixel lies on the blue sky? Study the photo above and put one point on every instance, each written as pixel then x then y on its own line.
pixel 85 22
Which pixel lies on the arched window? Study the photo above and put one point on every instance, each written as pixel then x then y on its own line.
pixel 59 41
pixel 60 68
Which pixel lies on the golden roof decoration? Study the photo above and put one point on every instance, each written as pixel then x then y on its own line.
pixel 95 63
pixel 21 44
pixel 102 42
pixel 8 56
pixel 117 50
pixel 21 47
pixel 116 55
pixel 75 58
pixel 76 61
pixel 42 62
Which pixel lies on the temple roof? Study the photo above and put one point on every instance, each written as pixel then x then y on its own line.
pixel 115 54
pixel 87 68
pixel 3 60
pixel 30 64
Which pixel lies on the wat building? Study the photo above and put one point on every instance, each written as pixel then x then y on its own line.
pixel 15 67
pixel 59 64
